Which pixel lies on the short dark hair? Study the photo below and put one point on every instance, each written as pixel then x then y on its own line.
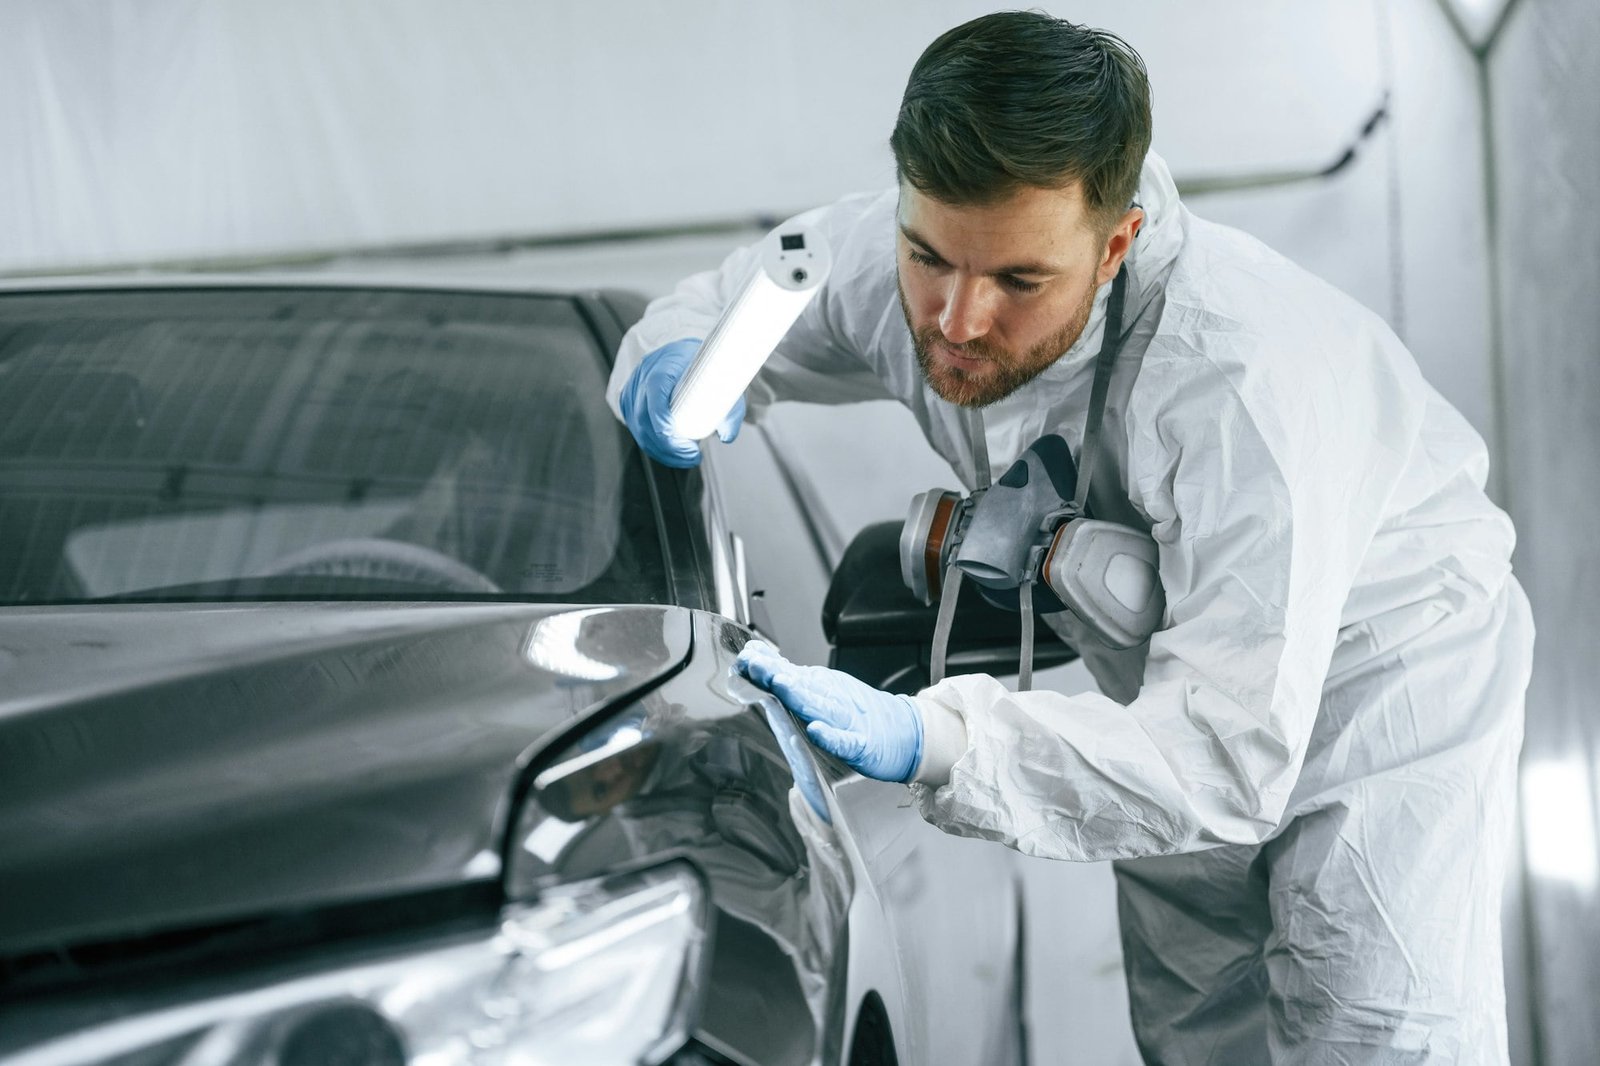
pixel 1021 98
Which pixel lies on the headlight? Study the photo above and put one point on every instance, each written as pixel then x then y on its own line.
pixel 604 971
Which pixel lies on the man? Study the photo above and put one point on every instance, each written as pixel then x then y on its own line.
pixel 1307 774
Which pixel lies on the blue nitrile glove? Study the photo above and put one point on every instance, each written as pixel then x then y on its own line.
pixel 877 733
pixel 646 404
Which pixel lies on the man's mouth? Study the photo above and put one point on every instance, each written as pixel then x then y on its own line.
pixel 959 359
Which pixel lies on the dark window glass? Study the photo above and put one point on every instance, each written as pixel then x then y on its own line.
pixel 319 443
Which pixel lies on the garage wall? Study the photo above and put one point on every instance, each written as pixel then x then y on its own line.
pixel 1543 85
pixel 155 131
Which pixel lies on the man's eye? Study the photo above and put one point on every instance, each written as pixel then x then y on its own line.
pixel 921 258
pixel 1016 284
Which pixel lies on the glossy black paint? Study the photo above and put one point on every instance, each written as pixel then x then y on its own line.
pixel 709 769
pixel 266 758
pixel 171 766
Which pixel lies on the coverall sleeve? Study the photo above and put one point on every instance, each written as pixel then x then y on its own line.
pixel 1260 517
pixel 818 360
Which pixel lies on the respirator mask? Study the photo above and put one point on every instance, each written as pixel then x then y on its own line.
pixel 1027 541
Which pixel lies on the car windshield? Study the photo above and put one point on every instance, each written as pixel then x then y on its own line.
pixel 226 444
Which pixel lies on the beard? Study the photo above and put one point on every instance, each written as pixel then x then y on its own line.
pixel 1003 372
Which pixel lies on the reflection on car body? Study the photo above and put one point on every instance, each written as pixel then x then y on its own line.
pixel 364 688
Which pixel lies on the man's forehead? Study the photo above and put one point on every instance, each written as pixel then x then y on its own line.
pixel 1042 230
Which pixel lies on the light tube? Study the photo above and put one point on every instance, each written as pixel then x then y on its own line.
pixel 794 261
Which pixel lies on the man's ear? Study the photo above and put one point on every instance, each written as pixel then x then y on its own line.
pixel 1118 244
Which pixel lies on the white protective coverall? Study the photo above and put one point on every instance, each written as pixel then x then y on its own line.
pixel 1308 774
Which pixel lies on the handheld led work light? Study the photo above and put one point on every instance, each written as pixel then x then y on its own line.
pixel 793 263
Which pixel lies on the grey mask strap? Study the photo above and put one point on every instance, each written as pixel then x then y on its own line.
pixel 1025 667
pixel 947 619
pixel 980 446
pixel 973 420
pixel 1110 344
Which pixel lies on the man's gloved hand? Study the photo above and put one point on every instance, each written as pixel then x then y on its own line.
pixel 877 733
pixel 646 403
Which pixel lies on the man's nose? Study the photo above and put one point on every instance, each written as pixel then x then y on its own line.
pixel 966 313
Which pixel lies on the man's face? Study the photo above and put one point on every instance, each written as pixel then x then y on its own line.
pixel 995 293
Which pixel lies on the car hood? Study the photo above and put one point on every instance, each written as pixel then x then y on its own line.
pixel 166 766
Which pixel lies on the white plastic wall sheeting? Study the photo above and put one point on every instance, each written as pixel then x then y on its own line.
pixel 158 131
pixel 1544 84
pixel 1440 245
pixel 144 131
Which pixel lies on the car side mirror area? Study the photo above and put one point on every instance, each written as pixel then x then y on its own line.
pixel 882 634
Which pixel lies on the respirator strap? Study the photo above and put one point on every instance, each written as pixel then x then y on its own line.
pixel 1104 364
pixel 947 618
pixel 1110 344
pixel 1025 666
pixel 980 447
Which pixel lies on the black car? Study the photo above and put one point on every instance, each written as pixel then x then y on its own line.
pixel 365 699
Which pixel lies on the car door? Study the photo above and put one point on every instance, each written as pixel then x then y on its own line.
pixel 947 906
